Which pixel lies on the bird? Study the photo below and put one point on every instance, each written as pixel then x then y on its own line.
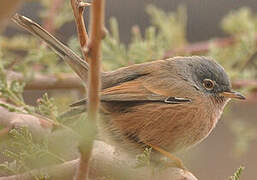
pixel 169 105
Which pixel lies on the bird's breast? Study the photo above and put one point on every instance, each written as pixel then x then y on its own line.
pixel 198 120
pixel 171 127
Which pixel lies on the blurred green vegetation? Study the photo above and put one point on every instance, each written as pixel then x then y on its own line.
pixel 236 58
pixel 237 174
pixel 22 53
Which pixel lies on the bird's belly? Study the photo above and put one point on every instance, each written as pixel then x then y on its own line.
pixel 180 140
pixel 167 126
pixel 192 130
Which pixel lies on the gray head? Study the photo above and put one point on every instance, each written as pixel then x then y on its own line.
pixel 209 77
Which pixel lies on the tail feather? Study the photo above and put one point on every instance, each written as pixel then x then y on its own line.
pixel 71 58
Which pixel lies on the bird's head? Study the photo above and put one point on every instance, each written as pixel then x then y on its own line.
pixel 210 78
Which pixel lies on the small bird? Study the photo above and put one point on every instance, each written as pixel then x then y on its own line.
pixel 168 104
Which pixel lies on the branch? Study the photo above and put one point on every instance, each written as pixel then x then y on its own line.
pixel 107 163
pixel 201 47
pixel 97 17
pixel 78 8
pixel 37 125
pixel 91 50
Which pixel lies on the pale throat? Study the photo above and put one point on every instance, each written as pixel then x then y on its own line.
pixel 217 111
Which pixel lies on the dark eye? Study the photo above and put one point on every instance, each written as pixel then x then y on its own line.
pixel 208 84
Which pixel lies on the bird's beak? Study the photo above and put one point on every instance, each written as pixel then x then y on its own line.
pixel 231 94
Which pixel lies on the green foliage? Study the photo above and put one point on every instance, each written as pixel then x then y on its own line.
pixel 239 21
pixel 24 153
pixel 167 31
pixel 236 58
pixel 143 159
pixel 47 107
pixel 237 174
pixel 21 53
pixel 13 90
pixel 113 51
pixel 63 16
pixel 171 26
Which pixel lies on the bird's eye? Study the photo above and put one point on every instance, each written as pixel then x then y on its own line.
pixel 208 84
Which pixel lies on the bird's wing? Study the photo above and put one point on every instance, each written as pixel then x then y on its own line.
pixel 152 87
pixel 130 91
pixel 142 89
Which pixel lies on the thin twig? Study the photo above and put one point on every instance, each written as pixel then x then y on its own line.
pixel 78 7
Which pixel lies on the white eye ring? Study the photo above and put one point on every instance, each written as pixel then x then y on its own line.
pixel 208 84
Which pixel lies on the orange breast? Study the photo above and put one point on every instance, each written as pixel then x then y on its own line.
pixel 171 127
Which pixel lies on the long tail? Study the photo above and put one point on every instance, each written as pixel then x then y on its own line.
pixel 75 62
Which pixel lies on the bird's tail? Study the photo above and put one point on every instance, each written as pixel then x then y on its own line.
pixel 75 62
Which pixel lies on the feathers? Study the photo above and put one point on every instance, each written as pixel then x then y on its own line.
pixel 140 89
pixel 75 62
pixel 175 100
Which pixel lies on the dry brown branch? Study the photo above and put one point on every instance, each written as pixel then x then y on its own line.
pixel 38 126
pixel 107 163
pixel 91 50
pixel 201 47
pixel 78 10
pixel 97 16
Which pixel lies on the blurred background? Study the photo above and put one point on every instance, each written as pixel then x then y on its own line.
pixel 141 31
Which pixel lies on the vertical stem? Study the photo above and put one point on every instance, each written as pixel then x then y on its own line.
pixel 92 50
pixel 96 24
